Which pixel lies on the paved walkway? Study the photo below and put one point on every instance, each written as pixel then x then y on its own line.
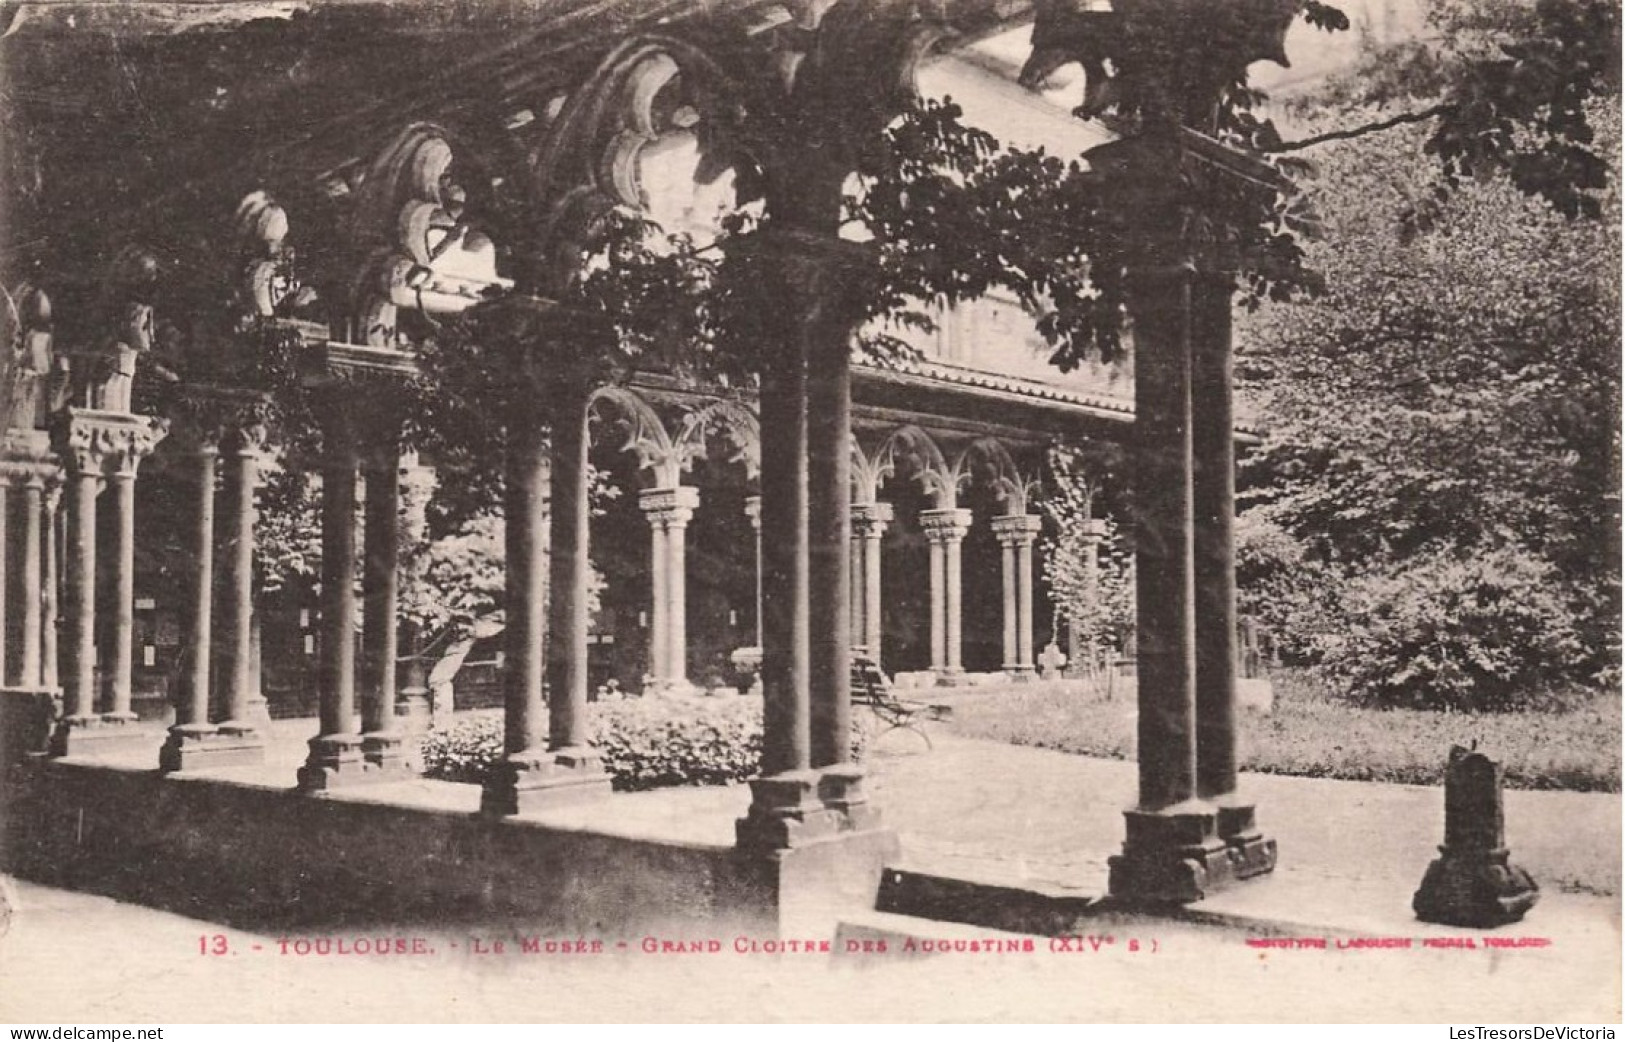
pixel 1351 855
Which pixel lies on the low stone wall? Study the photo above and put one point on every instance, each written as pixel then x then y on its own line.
pixel 248 856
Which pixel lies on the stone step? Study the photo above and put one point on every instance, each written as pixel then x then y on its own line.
pixel 1036 910
pixel 994 906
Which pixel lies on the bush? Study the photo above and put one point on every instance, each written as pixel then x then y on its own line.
pixel 1489 632
pixel 463 752
pixel 646 743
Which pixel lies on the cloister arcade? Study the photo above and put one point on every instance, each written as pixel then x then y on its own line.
pixel 471 195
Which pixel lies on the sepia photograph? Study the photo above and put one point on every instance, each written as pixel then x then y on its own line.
pixel 809 511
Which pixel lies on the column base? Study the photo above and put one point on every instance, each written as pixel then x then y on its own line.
pixel 259 712
pixel 121 718
pixel 191 747
pixel 1251 853
pixel 414 713
pixel 795 808
pixel 385 752
pixel 334 761
pixel 525 782
pixel 1476 888
pixel 949 677
pixel 1171 856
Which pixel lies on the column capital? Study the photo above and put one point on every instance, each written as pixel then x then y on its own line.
pixel 871 519
pixel 244 440
pixel 808 277
pixel 1017 529
pixel 670 507
pixel 947 525
pixel 92 441
pixel 206 413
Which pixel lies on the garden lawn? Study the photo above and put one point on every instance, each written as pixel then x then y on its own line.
pixel 1312 734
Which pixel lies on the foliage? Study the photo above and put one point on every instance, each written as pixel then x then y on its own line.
pixel 646 743
pixel 1291 594
pixel 1510 89
pixel 1310 733
pixel 651 743
pixel 1088 566
pixel 463 752
pixel 1435 631
pixel 1454 393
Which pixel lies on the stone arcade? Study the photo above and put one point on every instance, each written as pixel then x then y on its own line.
pixel 382 152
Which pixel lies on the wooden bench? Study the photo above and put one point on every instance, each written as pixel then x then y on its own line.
pixel 871 688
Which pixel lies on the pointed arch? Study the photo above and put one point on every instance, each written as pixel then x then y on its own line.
pixel 647 437
pixel 940 481
pixel 1008 483
pixel 727 416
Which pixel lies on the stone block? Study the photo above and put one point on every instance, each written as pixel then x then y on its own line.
pixel 191 748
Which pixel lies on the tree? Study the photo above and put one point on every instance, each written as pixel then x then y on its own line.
pixel 1452 395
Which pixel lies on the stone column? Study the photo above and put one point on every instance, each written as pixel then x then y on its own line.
pixel 829 509
pixel 669 511
pixel 51 582
pixel 753 510
pixel 335 753
pixel 1172 850
pixel 1214 553
pixel 937 571
pixel 574 769
pixel 524 606
pixel 6 480
pixel 1007 575
pixel 869 521
pixel 659 600
pixel 79 651
pixel 192 726
pixel 33 509
pixel 546 759
pixel 946 528
pixel 805 410
pixel 121 654
pixel 1016 533
pixel 381 742
pixel 235 653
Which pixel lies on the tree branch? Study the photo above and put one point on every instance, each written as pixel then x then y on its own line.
pixel 1369 128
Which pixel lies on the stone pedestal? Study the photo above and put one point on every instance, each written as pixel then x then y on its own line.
pixel 532 782
pixel 1473 882
pixel 191 747
pixel 1174 855
pixel 334 760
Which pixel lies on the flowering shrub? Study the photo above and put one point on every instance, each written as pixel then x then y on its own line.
pixel 463 752
pixel 1485 632
pixel 646 743
pixel 650 743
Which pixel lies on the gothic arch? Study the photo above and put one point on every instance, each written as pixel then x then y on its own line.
pixel 412 245
pixel 728 417
pixel 647 437
pixel 940 481
pixel 1008 483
